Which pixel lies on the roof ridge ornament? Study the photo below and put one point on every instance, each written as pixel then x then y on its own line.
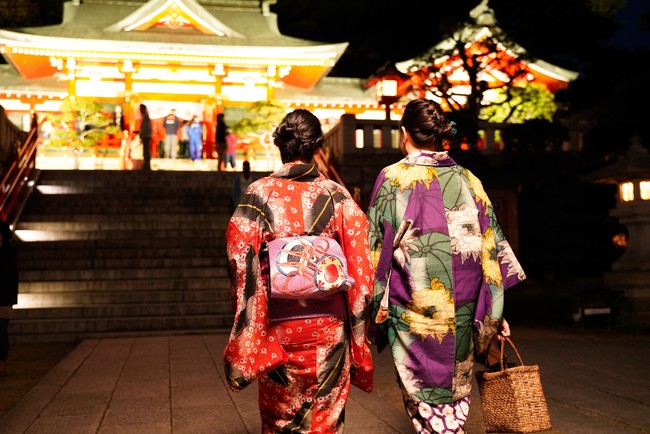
pixel 173 14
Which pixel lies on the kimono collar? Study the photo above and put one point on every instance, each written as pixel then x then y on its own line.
pixel 429 158
pixel 297 171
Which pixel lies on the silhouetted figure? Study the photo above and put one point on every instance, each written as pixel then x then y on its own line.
pixel 146 134
pixel 8 290
pixel 222 145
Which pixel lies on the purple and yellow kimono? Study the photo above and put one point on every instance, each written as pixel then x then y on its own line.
pixel 447 274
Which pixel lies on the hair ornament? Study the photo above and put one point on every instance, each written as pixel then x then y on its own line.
pixel 454 128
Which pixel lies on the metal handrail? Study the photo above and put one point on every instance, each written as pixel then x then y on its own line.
pixel 17 175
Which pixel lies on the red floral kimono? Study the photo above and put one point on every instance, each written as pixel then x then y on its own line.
pixel 305 361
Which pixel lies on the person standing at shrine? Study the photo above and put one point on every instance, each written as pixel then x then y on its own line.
pixel 195 132
pixel 240 183
pixel 172 124
pixel 146 134
pixel 222 144
pixel 231 150
pixel 184 141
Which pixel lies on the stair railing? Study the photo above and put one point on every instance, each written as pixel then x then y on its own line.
pixel 20 150
pixel 325 166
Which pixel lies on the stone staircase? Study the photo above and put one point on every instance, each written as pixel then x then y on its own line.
pixel 122 253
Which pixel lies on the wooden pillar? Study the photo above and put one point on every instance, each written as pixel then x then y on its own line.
pixel 209 122
pixel 213 107
pixel 72 78
pixel 272 77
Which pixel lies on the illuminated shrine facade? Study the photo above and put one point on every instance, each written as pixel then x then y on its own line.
pixel 197 57
pixel 200 58
pixel 501 64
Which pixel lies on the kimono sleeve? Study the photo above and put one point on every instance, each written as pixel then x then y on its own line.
pixel 380 236
pixel 355 245
pixel 253 348
pixel 501 269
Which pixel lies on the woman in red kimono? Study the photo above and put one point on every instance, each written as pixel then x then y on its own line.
pixel 305 353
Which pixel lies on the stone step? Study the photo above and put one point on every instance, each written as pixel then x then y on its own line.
pixel 145 234
pixel 163 216
pixel 114 209
pixel 107 254
pixel 145 228
pixel 120 285
pixel 122 274
pixel 111 177
pixel 62 330
pixel 182 198
pixel 37 286
pixel 198 240
pixel 182 262
pixel 48 257
pixel 135 297
pixel 123 310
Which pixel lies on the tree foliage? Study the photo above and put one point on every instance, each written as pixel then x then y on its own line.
pixel 261 117
pixel 82 123
pixel 520 103
pixel 479 58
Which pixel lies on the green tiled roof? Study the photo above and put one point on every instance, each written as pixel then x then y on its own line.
pixel 90 19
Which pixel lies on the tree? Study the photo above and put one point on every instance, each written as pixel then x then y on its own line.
pixel 81 124
pixel 480 71
pixel 520 103
pixel 261 117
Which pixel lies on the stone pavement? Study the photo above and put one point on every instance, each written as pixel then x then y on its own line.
pixel 594 381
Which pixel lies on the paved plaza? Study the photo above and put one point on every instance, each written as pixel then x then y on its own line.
pixel 595 381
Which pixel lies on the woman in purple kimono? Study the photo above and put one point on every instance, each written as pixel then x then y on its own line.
pixel 441 267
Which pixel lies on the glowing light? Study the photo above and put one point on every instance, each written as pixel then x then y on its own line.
pixel 30 236
pixel 386 88
pixel 244 93
pixel 627 192
pixel 219 70
pixel 51 105
pixel 40 298
pixel 173 88
pixel 127 66
pixel 12 104
pixel 358 139
pixel 644 187
pixel 236 55
pixel 57 189
pixel 99 88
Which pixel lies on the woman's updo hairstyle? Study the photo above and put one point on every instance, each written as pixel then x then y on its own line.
pixel 427 124
pixel 298 136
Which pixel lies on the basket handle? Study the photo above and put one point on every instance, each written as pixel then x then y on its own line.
pixel 504 339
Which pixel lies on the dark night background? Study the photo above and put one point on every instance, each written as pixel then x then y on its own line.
pixel 565 230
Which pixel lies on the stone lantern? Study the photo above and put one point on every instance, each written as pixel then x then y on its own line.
pixel 631 273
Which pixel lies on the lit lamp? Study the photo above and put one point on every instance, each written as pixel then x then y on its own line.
pixel 387 93
pixel 389 83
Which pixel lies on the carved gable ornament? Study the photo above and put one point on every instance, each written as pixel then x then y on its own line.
pixel 173 15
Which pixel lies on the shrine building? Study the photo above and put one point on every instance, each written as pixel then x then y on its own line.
pixel 199 57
